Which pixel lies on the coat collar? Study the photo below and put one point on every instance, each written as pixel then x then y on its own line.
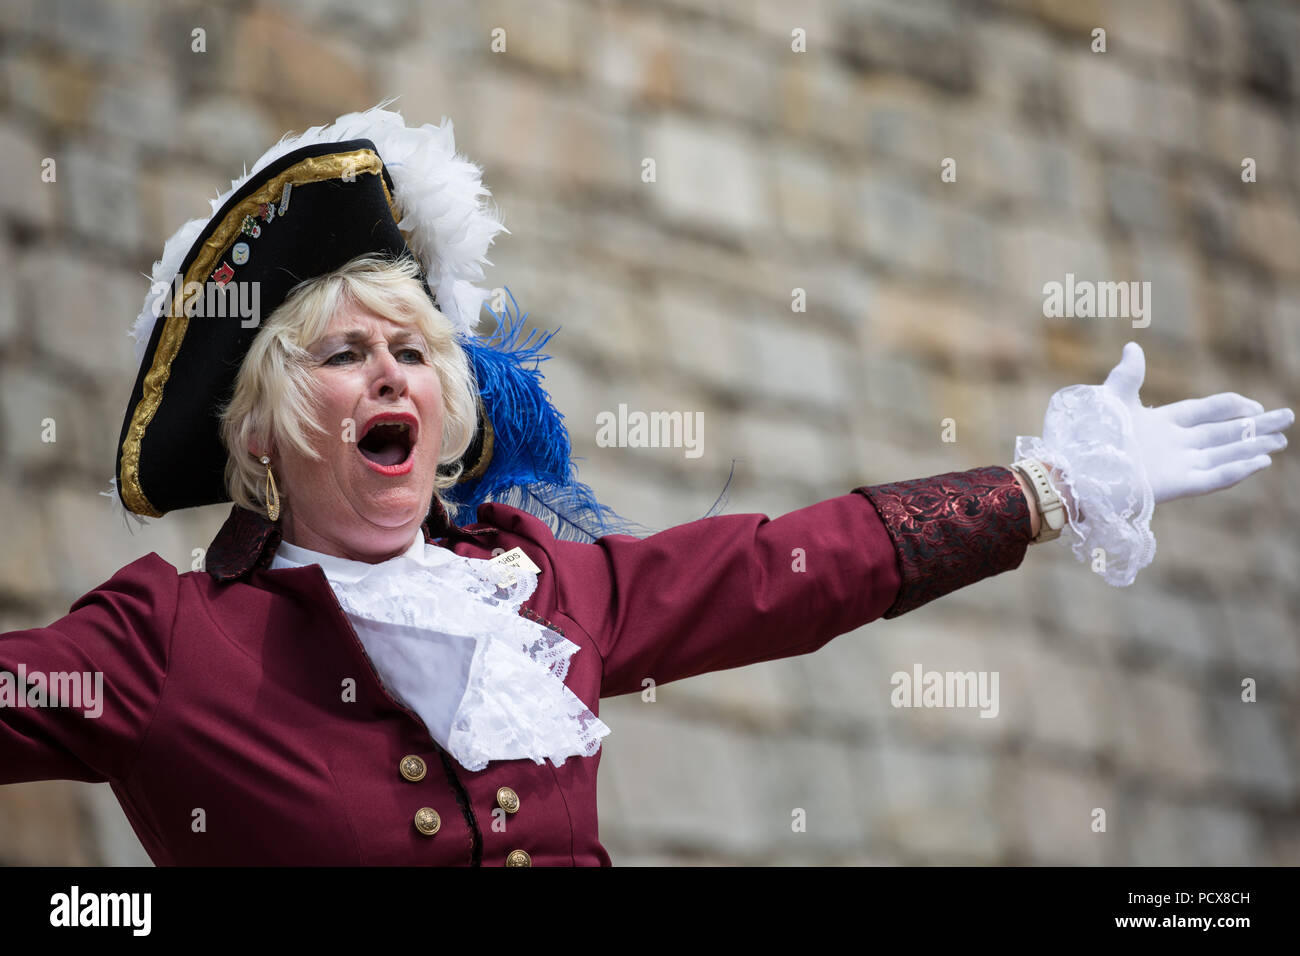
pixel 248 541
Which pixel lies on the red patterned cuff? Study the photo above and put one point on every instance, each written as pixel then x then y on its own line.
pixel 952 530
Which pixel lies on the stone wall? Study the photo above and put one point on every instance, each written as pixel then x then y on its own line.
pixel 775 170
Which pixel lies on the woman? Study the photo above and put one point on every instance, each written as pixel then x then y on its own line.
pixel 355 677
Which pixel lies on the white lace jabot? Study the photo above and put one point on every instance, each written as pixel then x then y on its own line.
pixel 445 636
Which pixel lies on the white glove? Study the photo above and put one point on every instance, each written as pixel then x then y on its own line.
pixel 1198 445
pixel 1115 459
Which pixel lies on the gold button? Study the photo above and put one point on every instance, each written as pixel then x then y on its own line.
pixel 412 768
pixel 507 800
pixel 519 858
pixel 427 821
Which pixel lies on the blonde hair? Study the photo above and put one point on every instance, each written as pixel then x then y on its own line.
pixel 276 396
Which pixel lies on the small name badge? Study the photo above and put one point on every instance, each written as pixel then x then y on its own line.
pixel 515 558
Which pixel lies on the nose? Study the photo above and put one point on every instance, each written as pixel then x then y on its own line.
pixel 390 376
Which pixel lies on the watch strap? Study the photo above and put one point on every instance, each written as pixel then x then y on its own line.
pixel 1050 506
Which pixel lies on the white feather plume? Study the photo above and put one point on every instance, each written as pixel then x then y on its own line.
pixel 115 502
pixel 440 195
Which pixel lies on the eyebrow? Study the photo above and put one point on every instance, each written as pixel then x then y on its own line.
pixel 352 336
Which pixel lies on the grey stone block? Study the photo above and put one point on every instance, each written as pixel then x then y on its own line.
pixel 24 195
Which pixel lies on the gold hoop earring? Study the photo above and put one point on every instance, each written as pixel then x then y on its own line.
pixel 272 493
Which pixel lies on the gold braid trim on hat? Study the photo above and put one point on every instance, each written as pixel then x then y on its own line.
pixel 312 170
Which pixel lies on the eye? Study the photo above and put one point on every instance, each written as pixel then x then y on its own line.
pixel 419 356
pixel 330 360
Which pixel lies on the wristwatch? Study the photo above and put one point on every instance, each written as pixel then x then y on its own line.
pixel 1050 506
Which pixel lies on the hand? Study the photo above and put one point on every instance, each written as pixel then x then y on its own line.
pixel 1198 445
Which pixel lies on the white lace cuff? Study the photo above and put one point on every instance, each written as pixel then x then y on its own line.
pixel 1088 439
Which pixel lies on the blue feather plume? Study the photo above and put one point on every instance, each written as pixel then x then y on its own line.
pixel 532 466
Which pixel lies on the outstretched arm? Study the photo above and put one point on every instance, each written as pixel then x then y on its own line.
pixel 77 697
pixel 737 589
pixel 733 590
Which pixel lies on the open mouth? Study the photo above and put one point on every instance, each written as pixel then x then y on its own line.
pixel 387 443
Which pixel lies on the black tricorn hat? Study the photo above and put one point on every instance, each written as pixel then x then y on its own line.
pixel 311 204
pixel 308 213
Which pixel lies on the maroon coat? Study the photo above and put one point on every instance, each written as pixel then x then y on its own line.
pixel 224 688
